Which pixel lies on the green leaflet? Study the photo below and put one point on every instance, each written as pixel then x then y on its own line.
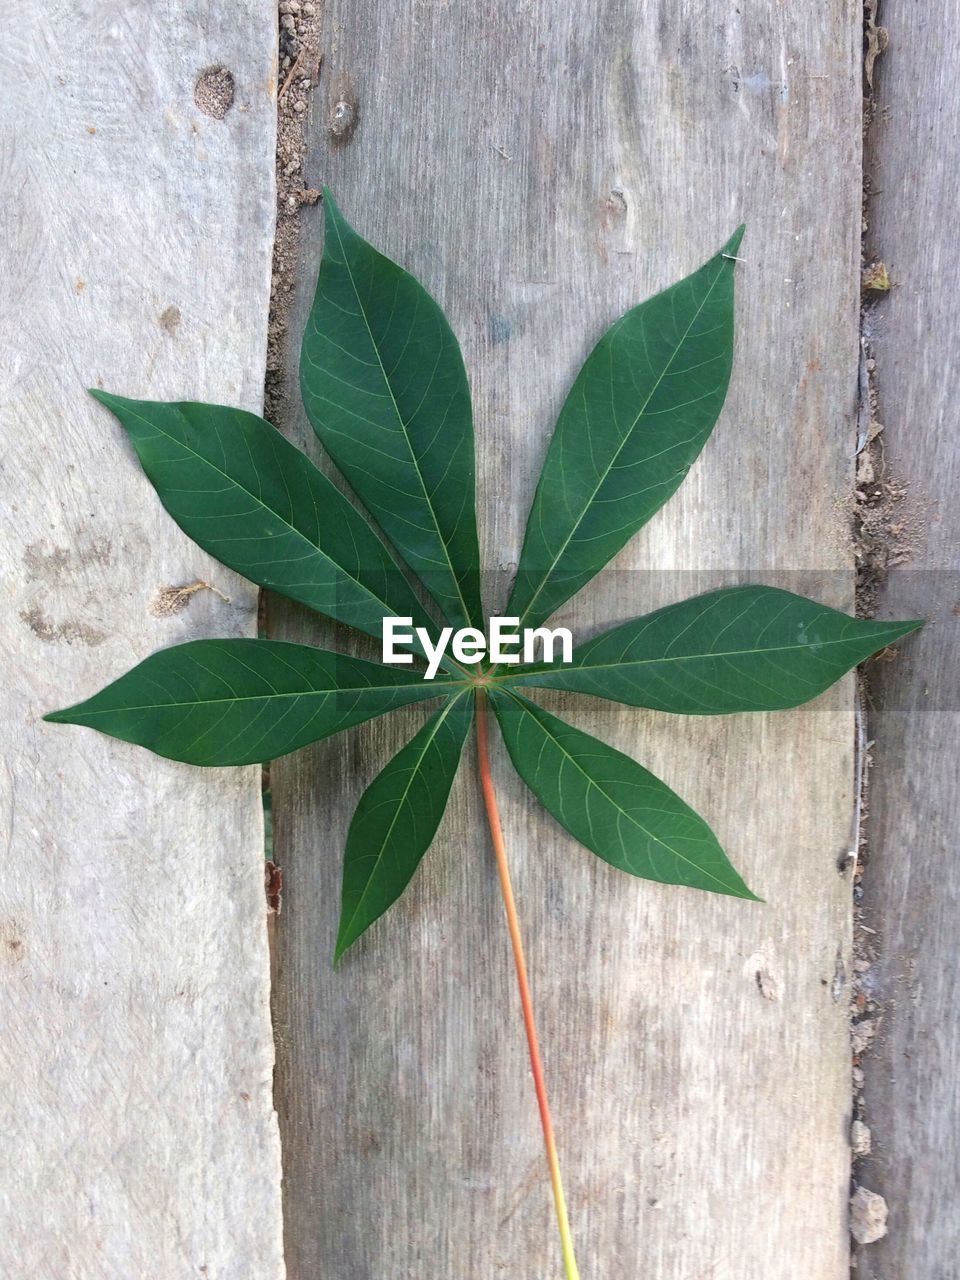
pixel 610 804
pixel 384 385
pixel 638 414
pixel 743 649
pixel 249 497
pixel 397 818
pixel 222 702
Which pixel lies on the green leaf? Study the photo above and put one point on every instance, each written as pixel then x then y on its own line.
pixel 384 385
pixel 610 804
pixel 742 649
pixel 397 818
pixel 222 702
pixel 638 414
pixel 255 502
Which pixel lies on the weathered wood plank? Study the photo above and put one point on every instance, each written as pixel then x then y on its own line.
pixel 912 886
pixel 541 167
pixel 136 1055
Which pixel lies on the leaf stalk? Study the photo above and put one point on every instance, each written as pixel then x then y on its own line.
pixel 513 924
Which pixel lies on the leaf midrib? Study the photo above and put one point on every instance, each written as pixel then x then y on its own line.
pixel 256 697
pixel 525 706
pixel 403 425
pixel 264 507
pixel 689 657
pixel 429 741
pixel 586 506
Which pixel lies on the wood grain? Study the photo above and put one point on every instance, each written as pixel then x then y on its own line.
pixel 541 167
pixel 912 884
pixel 136 1055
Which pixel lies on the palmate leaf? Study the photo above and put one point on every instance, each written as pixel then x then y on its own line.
pixel 750 648
pixel 384 386
pixel 638 414
pixel 225 702
pixel 397 818
pixel 255 502
pixel 609 803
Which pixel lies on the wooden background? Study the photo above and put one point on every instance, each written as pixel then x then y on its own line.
pixel 912 889
pixel 135 1052
pixel 540 166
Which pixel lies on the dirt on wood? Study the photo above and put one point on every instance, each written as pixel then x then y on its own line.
pixel 299 61
pixel 214 91
pixel 171 600
pixel 887 524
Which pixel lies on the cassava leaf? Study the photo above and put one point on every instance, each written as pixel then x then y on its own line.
pixel 748 648
pixel 609 803
pixel 249 497
pixel 222 702
pixel 638 414
pixel 384 385
pixel 397 818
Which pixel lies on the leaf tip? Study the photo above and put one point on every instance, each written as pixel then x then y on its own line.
pixel 331 210
pixel 341 948
pixel 110 401
pixel 888 633
pixel 729 250
pixel 347 935
pixel 738 888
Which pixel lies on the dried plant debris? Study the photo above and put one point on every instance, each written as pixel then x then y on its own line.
pixel 861 1140
pixel 875 39
pixel 170 600
pixel 868 1216
pixel 889 522
pixel 300 62
pixel 874 278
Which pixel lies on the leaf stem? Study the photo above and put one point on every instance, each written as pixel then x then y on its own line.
pixel 513 924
